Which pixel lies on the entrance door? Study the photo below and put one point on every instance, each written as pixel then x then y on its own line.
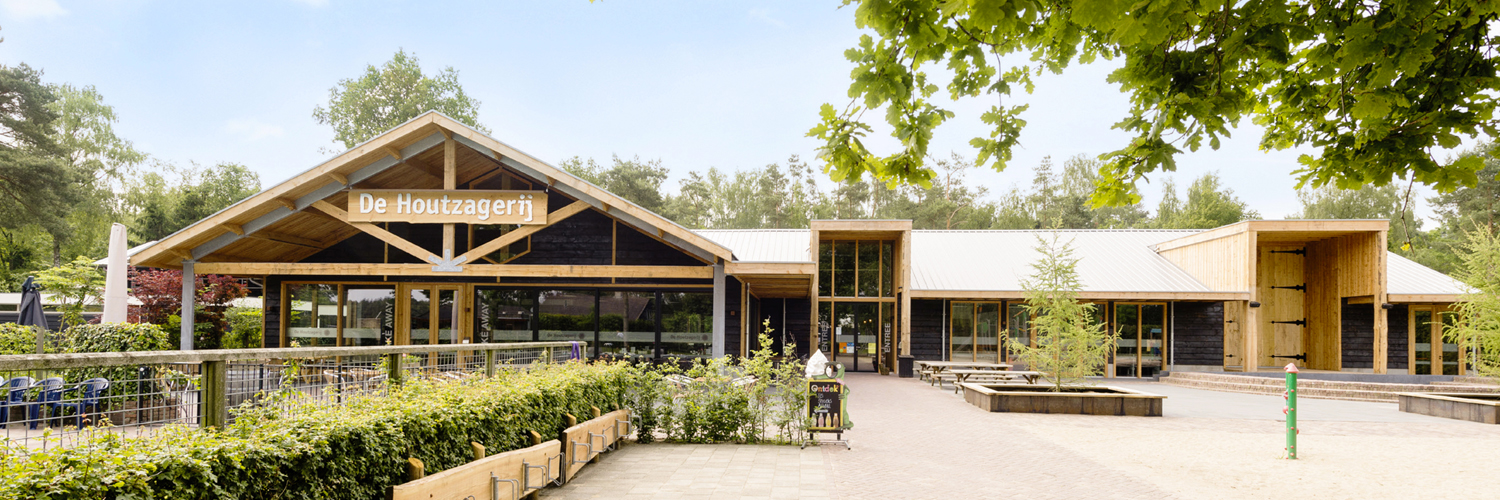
pixel 1283 321
pixel 1431 353
pixel 432 317
pixel 857 328
pixel 1141 346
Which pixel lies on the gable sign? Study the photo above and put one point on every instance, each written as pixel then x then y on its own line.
pixel 447 206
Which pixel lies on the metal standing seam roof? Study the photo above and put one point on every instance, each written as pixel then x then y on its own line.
pixel 1406 277
pixel 1110 260
pixel 1119 260
pixel 763 245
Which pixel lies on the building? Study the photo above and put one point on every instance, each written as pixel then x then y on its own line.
pixel 435 233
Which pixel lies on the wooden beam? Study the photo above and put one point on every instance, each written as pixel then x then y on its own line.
pixel 289 203
pixel 470 269
pixel 772 268
pixel 396 241
pixel 339 178
pixel 391 150
pixel 181 253
pixel 233 228
pixel 1422 298
pixel 524 231
pixel 1018 295
pixel 287 239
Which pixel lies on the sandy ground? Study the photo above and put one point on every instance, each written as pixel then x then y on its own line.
pixel 1217 458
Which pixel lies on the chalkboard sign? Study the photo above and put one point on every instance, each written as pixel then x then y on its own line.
pixel 825 409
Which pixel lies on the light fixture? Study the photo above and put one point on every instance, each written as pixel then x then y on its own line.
pixel 1254 304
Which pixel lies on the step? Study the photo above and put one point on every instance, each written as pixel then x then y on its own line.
pixel 1318 389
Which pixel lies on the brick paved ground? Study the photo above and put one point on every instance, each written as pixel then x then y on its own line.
pixel 914 441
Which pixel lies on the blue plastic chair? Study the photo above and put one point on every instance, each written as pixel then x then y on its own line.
pixel 15 396
pixel 91 392
pixel 48 399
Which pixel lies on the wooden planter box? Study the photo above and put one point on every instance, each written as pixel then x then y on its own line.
pixel 1482 408
pixel 1089 400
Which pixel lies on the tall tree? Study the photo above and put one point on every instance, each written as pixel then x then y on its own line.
pixel 635 180
pixel 35 179
pixel 1209 205
pixel 101 162
pixel 1375 87
pixel 171 198
pixel 397 91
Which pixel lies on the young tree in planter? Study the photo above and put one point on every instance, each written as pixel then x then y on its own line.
pixel 1070 344
pixel 1478 320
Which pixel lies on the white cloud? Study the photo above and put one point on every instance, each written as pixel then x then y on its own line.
pixel 32 9
pixel 251 130
pixel 764 15
pixel 312 3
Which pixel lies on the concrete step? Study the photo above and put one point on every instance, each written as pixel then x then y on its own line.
pixel 1321 389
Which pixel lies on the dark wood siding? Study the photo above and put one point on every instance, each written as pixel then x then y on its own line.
pixel 271 310
pixel 1357 335
pixel 927 329
pixel 634 248
pixel 731 321
pixel 1199 333
pixel 582 239
pixel 1396 337
pixel 799 324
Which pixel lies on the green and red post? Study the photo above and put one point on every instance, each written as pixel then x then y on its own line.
pixel 1291 411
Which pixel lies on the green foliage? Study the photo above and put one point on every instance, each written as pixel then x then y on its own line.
pixel 245 325
pixel 74 285
pixel 635 180
pixel 1209 205
pixel 110 337
pixel 36 183
pixel 384 97
pixel 1070 344
pixel 18 339
pixel 310 450
pixel 1374 87
pixel 746 400
pixel 1477 323
pixel 168 198
pixel 100 161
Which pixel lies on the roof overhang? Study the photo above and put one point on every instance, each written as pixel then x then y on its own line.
pixel 249 216
pixel 775 280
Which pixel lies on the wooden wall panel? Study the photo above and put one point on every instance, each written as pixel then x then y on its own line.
pixel 1198 333
pixel 927 327
pixel 1221 264
pixel 1234 331
pixel 1279 304
pixel 1322 305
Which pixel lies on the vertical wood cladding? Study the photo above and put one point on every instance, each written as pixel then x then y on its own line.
pixel 799 324
pixel 927 329
pixel 1396 337
pixel 582 239
pixel 271 311
pixel 732 333
pixel 1358 335
pixel 634 248
pixel 1198 335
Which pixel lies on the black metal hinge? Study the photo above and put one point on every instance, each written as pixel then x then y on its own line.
pixel 1300 322
pixel 1300 288
pixel 1299 251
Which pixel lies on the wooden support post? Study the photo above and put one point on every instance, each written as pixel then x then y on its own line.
pixel 569 420
pixel 414 469
pixel 394 373
pixel 1380 351
pixel 478 450
pixel 213 400
pixel 489 364
pixel 450 182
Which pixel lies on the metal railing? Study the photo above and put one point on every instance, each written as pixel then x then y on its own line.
pixel 51 400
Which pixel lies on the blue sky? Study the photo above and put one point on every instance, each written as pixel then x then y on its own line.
pixel 732 85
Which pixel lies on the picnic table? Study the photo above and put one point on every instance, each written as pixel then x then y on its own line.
pixel 963 375
pixel 934 370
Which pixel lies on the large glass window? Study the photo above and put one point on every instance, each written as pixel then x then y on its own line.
pixel 975 331
pixel 825 269
pixel 843 268
pixel 567 315
pixel 419 316
pixel 1018 329
pixel 962 331
pixel 887 272
pixel 312 315
pixel 627 324
pixel 369 315
pixel 503 315
pixel 869 268
pixel 687 324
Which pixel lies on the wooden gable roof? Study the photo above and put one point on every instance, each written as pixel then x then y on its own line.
pixel 276 224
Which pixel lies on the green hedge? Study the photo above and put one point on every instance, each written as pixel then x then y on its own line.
pixel 308 451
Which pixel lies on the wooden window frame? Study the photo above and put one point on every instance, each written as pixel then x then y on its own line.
pixel 1437 334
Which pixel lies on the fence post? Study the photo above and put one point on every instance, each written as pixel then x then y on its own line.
pixel 393 368
pixel 478 450
pixel 213 398
pixel 489 363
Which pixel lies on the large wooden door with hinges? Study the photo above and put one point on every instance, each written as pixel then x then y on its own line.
pixel 1234 336
pixel 1281 287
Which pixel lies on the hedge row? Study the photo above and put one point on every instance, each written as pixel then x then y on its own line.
pixel 307 451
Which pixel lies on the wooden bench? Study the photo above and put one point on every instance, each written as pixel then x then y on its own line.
pixel 993 376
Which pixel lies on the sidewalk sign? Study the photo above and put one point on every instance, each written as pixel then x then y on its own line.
pixel 827 406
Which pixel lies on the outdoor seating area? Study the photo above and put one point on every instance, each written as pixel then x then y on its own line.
pixel 936 373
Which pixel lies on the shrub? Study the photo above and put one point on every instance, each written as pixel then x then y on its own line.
pixel 307 450
pixel 244 328
pixel 18 339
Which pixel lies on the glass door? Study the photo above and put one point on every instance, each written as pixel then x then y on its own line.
pixel 1431 353
pixel 974 331
pixel 1141 346
pixel 432 317
pixel 855 337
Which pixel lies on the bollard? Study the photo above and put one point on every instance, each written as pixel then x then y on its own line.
pixel 478 450
pixel 1291 411
pixel 414 469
